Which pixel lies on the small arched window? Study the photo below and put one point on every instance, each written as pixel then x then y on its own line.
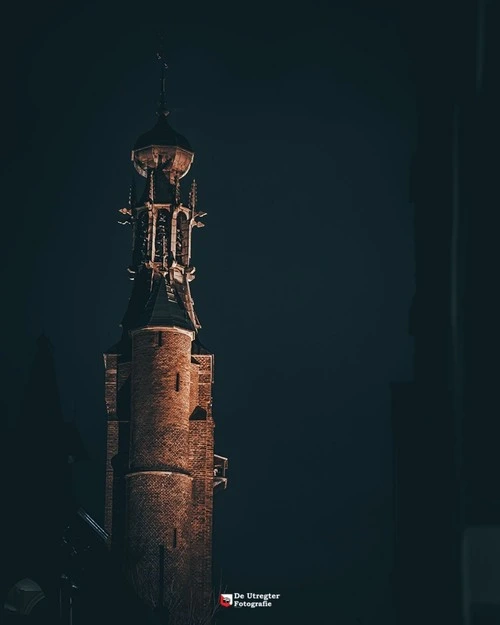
pixel 177 381
pixel 141 239
pixel 161 246
pixel 181 239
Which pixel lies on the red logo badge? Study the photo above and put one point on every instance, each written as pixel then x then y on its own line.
pixel 226 601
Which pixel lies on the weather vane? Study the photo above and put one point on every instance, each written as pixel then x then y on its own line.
pixel 160 56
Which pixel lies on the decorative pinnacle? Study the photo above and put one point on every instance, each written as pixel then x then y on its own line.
pixel 151 187
pixel 132 198
pixel 193 195
pixel 162 104
pixel 177 185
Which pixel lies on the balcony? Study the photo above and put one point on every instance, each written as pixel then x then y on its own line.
pixel 220 469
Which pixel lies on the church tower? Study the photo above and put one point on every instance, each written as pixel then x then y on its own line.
pixel 161 471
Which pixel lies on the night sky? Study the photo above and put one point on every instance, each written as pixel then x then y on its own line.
pixel 303 124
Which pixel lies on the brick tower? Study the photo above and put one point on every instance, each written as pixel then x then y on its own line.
pixel 161 471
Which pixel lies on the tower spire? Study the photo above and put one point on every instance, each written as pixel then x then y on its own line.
pixel 160 452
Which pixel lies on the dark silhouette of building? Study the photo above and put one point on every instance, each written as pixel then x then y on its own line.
pixel 160 447
pixel 56 565
pixel 37 456
pixel 445 433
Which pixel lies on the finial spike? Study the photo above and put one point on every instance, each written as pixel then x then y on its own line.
pixel 162 104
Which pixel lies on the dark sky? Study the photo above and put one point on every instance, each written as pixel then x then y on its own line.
pixel 303 124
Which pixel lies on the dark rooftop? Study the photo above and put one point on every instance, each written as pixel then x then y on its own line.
pixel 164 308
pixel 162 134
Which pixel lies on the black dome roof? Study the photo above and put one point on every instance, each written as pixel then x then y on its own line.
pixel 162 134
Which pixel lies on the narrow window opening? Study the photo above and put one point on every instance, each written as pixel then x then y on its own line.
pixel 162 576
pixel 177 381
pixel 174 542
pixel 160 338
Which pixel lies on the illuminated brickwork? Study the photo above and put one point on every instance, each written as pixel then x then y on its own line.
pixel 168 481
pixel 160 400
pixel 201 438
